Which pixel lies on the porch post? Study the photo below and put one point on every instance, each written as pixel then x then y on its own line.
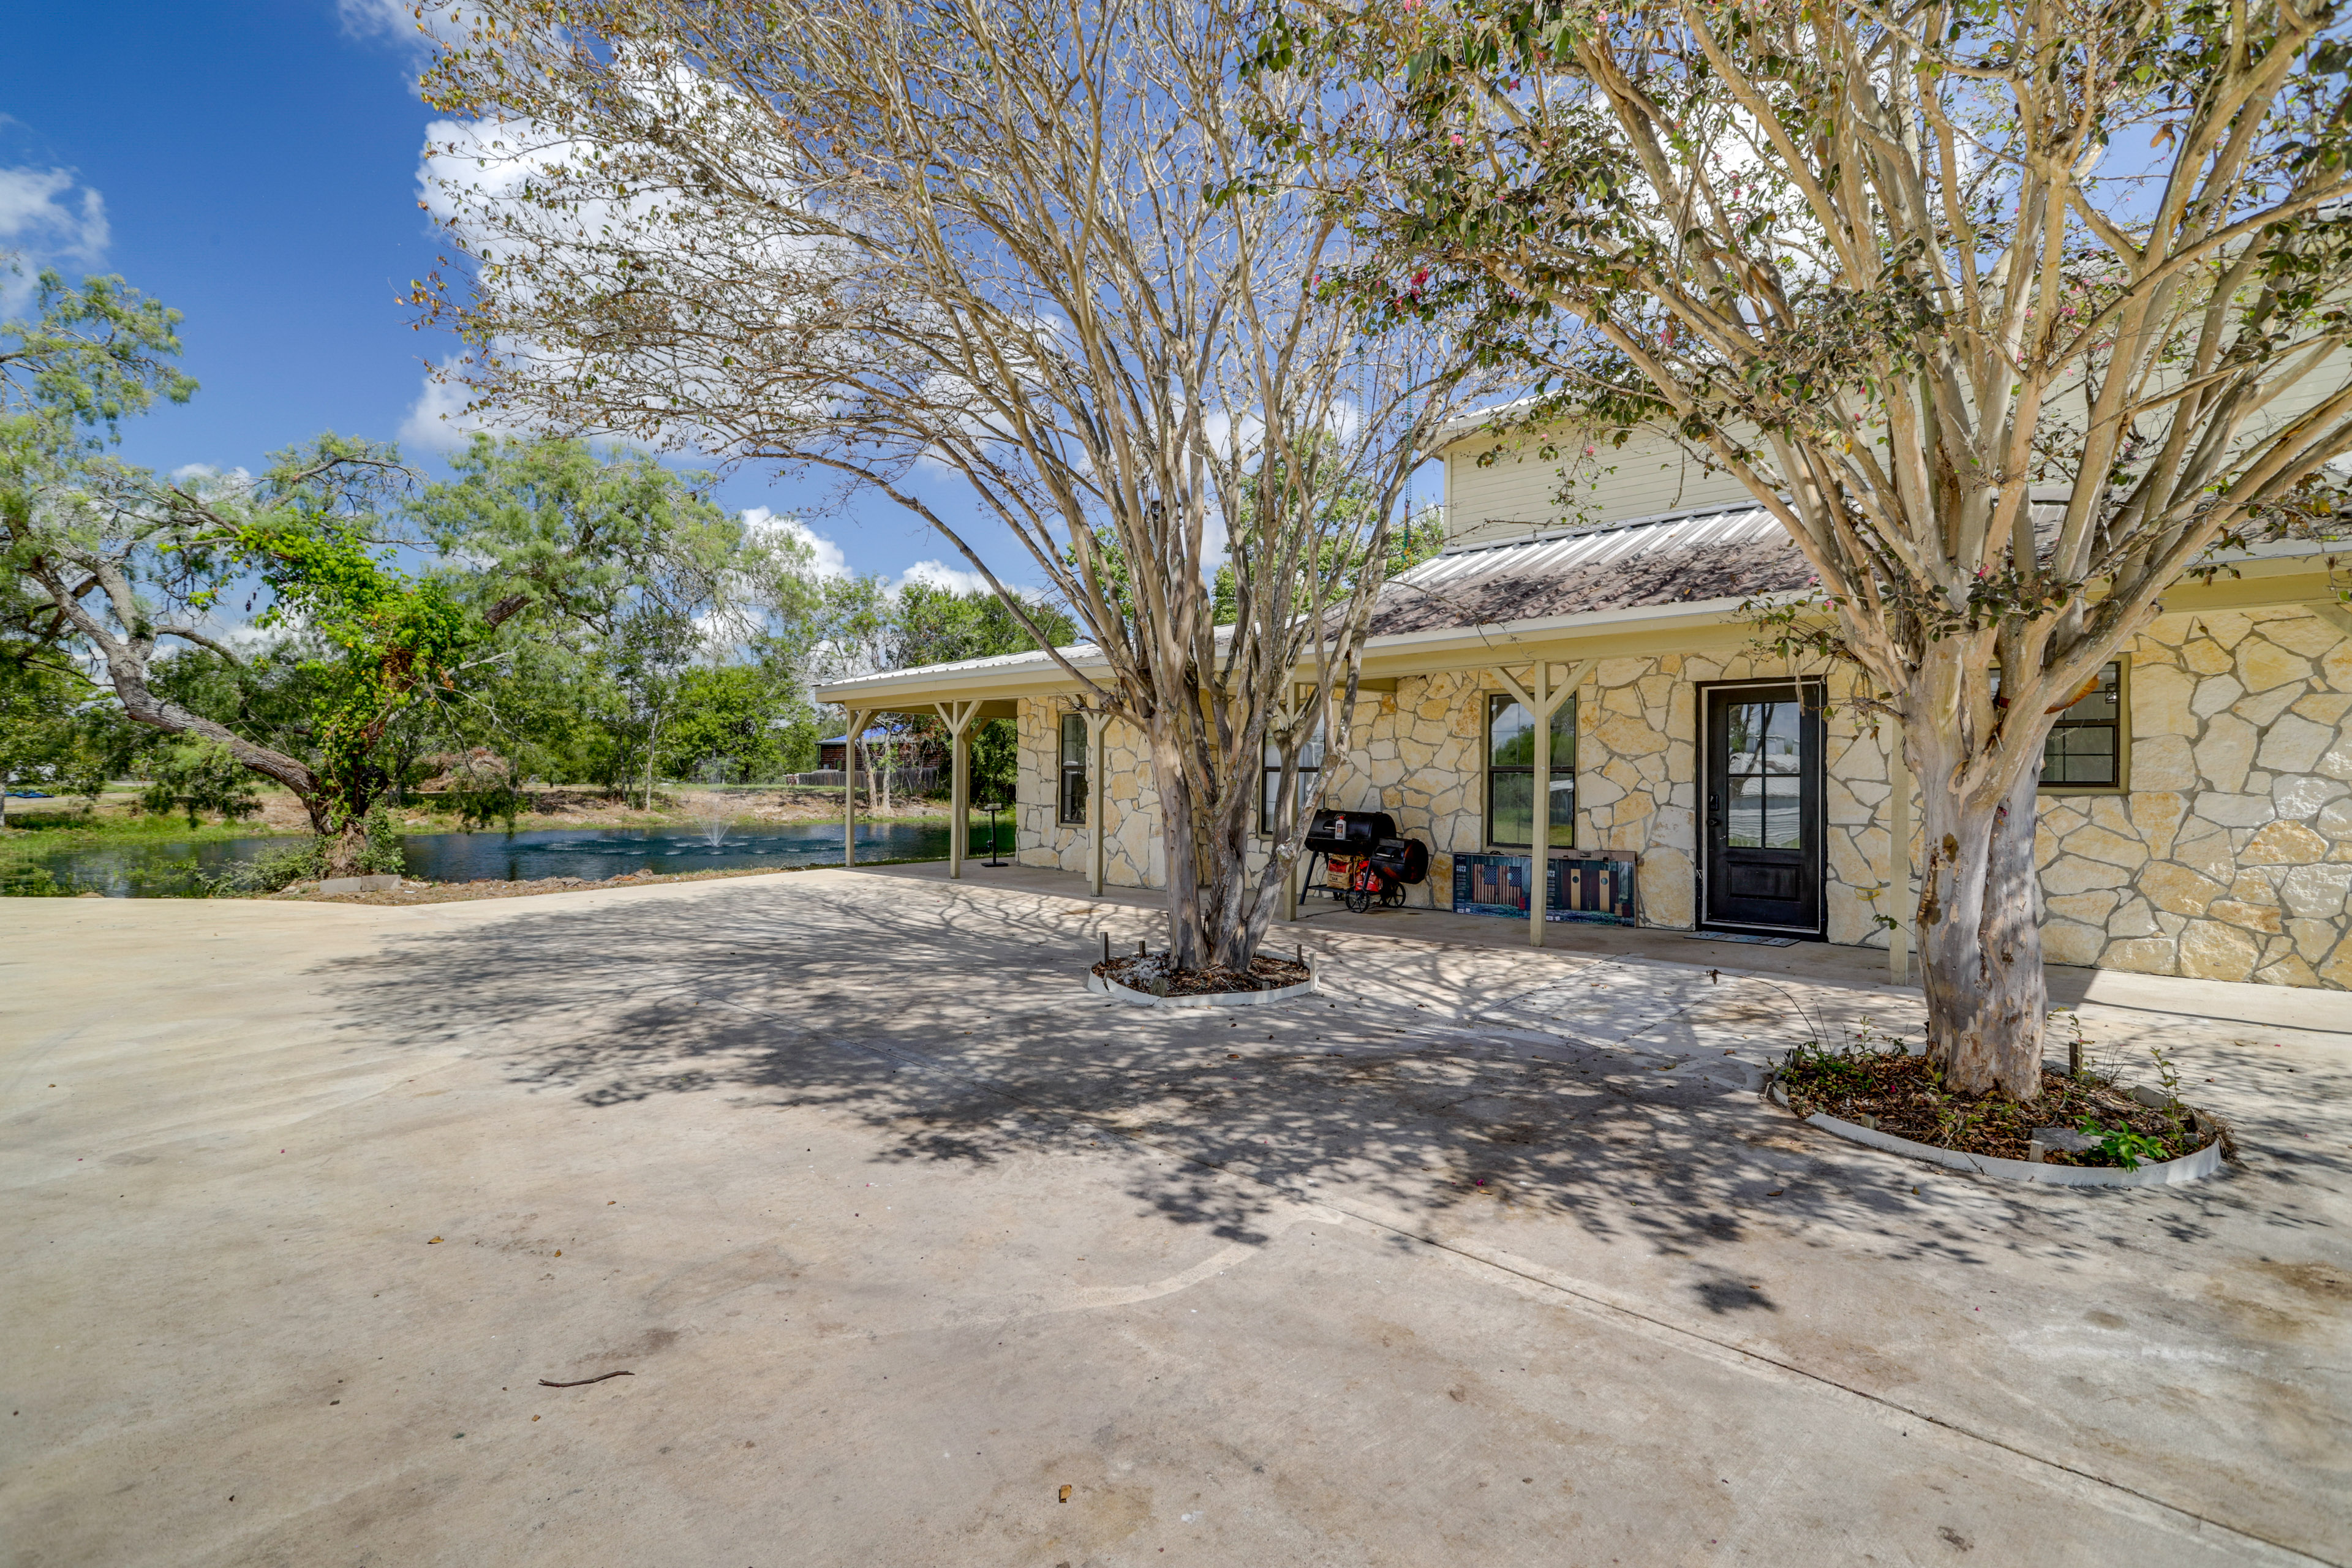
pixel 1096 724
pixel 1290 878
pixel 961 829
pixel 1541 699
pixel 1898 854
pixel 1539 808
pixel 958 716
pixel 849 787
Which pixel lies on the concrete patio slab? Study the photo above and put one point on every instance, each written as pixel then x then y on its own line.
pixel 1485 1256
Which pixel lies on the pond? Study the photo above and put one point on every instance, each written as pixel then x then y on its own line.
pixel 165 869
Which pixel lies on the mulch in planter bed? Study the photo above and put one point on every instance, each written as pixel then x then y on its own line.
pixel 1152 973
pixel 1906 1096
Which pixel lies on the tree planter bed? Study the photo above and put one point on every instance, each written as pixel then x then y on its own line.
pixel 1274 979
pixel 2165 1174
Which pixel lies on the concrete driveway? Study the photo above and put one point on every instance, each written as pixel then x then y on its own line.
pixel 1483 1257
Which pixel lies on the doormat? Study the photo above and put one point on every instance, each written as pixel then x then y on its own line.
pixel 1741 936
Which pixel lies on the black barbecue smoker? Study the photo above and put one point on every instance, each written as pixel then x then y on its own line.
pixel 1363 858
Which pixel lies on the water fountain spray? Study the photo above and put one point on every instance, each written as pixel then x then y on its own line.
pixel 718 814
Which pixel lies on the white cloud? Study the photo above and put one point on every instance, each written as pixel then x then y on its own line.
pixel 47 217
pixel 939 574
pixel 437 421
pixel 825 559
pixel 49 211
pixel 398 20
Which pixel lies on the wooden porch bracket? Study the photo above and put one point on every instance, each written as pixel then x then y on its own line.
pixel 1542 699
pixel 958 716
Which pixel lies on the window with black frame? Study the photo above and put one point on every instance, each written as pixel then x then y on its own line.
pixel 1511 775
pixel 1073 768
pixel 1311 771
pixel 2085 747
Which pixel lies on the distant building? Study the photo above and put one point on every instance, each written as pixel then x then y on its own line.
pixel 833 753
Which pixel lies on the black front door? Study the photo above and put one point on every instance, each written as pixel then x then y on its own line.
pixel 1764 806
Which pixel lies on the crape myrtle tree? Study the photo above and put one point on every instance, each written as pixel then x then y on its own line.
pixel 2009 313
pixel 1026 248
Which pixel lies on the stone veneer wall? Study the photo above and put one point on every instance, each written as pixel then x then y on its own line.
pixel 1134 853
pixel 2230 859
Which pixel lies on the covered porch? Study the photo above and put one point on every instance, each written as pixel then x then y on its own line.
pixel 1860 970
pixel 2196 822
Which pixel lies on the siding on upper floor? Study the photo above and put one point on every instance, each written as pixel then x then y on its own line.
pixel 1518 493
pixel 1521 491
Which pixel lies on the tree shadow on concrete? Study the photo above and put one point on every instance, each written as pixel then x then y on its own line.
pixel 951 1024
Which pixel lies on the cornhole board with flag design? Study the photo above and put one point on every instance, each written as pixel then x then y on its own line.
pixel 1490 885
pixel 1584 887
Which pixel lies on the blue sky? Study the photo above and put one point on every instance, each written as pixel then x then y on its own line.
pixel 254 165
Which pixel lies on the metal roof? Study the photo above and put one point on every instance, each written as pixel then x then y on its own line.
pixel 1708 558
pixel 1716 552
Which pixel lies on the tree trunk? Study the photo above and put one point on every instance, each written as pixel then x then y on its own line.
pixel 1186 946
pixel 1980 945
pixel 344 851
pixel 653 747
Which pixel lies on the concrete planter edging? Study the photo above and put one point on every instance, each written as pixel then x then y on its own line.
pixel 2168 1173
pixel 1213 999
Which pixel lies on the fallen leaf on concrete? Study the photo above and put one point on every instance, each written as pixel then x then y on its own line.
pixel 434 1242
pixel 1065 1494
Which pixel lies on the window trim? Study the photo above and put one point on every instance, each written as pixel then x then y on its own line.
pixel 1065 768
pixel 2122 785
pixel 1487 773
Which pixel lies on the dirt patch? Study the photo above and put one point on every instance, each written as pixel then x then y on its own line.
pixel 1151 971
pixel 1903 1094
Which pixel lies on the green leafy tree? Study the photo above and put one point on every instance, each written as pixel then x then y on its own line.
pixel 648 577
pixel 384 637
pixel 1900 271
pixel 127 567
pixel 51 733
pixel 196 775
pixel 737 716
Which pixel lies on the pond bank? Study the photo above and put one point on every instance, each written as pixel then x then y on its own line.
pixel 178 867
